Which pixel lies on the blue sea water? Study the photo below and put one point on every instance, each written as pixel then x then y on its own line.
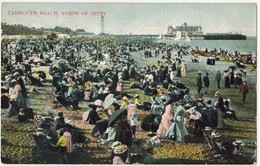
pixel 243 46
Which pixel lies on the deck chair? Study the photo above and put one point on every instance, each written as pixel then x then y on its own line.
pixel 216 152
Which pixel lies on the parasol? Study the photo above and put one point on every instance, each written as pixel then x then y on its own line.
pixel 109 103
pixel 115 116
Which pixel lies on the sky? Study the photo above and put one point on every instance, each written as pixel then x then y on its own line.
pixel 137 18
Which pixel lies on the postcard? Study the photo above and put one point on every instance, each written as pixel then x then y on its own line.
pixel 128 82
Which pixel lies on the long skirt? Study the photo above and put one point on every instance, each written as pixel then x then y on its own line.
pixel 179 131
pixel 227 84
pixel 220 119
pixel 183 72
pixel 178 74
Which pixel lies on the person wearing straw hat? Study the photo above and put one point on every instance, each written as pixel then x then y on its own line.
pixel 238 145
pixel 216 137
pixel 219 104
pixel 119 153
pixel 225 145
pixel 196 117
pixel 243 88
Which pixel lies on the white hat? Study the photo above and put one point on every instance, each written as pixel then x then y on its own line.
pixel 13 81
pixel 115 144
pixel 215 135
pixel 120 149
pixel 207 128
pixel 98 103
pixel 217 93
pixel 192 110
pixel 238 143
pixel 163 97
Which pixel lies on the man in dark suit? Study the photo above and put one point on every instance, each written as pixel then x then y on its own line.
pixel 206 82
pixel 199 82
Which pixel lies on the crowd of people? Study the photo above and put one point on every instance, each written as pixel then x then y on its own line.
pixel 97 71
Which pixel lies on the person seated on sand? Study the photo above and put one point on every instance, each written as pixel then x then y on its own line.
pixel 195 119
pixel 60 121
pixel 7 110
pixel 119 153
pixel 72 95
pixel 158 107
pixel 21 116
pixel 93 115
pixel 140 105
pixel 16 96
pixel 151 89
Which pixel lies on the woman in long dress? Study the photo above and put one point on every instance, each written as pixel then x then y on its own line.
pixel 179 120
pixel 183 69
pixel 166 122
pixel 16 97
pixel 226 78
pixel 178 74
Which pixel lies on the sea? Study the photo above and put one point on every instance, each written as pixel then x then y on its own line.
pixel 242 46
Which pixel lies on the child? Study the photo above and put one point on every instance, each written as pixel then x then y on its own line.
pixel 133 124
pixel 21 116
pixel 62 144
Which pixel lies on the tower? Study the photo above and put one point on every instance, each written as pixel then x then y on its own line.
pixel 102 25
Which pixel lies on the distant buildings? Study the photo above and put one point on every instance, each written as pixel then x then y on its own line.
pixel 194 32
pixel 191 30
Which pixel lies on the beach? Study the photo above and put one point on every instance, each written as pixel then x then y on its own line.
pixel 169 152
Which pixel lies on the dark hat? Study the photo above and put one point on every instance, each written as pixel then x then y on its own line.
pixel 151 134
pixel 60 114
